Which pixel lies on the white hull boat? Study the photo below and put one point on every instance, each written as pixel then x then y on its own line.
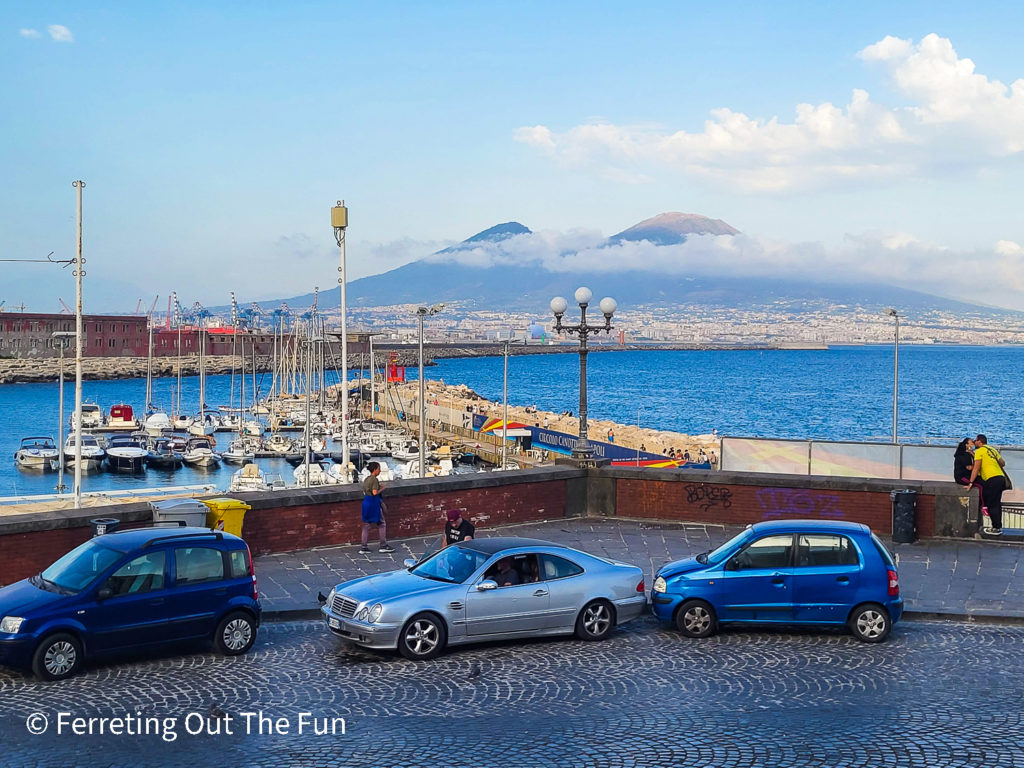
pixel 158 423
pixel 92 454
pixel 37 453
pixel 126 454
pixel 199 453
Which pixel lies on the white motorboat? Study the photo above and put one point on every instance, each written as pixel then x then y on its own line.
pixel 278 443
pixel 442 468
pixel 92 417
pixel 181 423
pixel 323 473
pixel 157 423
pixel 252 478
pixel 205 423
pixel 239 451
pixel 127 453
pixel 39 453
pixel 92 453
pixel 252 428
pixel 122 418
pixel 164 454
pixel 199 453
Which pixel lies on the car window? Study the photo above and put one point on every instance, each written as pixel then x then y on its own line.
pixel 143 574
pixel 452 564
pixel 239 563
pixel 882 551
pixel 815 550
pixel 79 567
pixel 514 570
pixel 766 552
pixel 194 565
pixel 559 567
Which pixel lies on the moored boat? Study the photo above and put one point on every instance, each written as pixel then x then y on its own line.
pixel 92 453
pixel 199 453
pixel 122 417
pixel 38 453
pixel 163 454
pixel 127 453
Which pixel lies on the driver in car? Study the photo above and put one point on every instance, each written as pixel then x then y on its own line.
pixel 508 576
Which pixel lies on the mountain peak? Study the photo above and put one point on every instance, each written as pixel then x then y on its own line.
pixel 499 232
pixel 673 227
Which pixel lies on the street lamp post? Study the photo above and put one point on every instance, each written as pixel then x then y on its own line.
pixel 584 451
pixel 421 313
pixel 638 433
pixel 504 410
pixel 895 376
pixel 339 220
pixel 79 332
pixel 62 340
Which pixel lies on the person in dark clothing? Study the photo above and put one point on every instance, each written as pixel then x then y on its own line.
pixel 508 576
pixel 963 461
pixel 457 529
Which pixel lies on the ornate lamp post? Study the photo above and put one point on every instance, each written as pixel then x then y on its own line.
pixel 584 451
pixel 895 375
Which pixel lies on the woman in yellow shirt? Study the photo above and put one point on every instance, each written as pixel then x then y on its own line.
pixel 988 464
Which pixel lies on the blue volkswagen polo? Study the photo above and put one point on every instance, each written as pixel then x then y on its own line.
pixel 129 590
pixel 785 572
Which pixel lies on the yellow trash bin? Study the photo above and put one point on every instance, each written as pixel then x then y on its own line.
pixel 226 514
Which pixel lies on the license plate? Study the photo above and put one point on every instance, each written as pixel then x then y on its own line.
pixel 334 624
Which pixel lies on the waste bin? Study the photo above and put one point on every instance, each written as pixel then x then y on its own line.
pixel 102 525
pixel 904 516
pixel 226 514
pixel 191 512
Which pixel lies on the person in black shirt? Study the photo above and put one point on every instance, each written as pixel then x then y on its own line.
pixel 457 529
pixel 963 462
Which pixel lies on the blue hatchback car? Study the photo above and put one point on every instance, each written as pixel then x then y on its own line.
pixel 129 590
pixel 785 572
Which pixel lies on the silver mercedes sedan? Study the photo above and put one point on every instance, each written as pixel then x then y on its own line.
pixel 486 589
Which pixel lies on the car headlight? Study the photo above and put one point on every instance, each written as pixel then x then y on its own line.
pixel 11 624
pixel 375 613
pixel 361 614
pixel 660 585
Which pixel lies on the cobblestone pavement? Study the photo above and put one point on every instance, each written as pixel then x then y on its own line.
pixel 936 694
pixel 978 578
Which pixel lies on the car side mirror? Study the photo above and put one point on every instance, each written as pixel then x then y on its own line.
pixel 486 584
pixel 409 562
pixel 104 592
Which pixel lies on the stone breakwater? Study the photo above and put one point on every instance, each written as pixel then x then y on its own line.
pixel 15 371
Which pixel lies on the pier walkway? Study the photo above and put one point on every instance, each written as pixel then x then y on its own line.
pixel 939 578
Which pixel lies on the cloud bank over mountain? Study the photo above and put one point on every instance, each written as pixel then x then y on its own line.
pixel 953 120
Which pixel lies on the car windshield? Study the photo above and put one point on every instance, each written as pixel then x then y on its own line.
pixel 718 555
pixel 452 564
pixel 79 567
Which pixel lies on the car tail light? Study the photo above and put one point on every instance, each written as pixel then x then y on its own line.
pixel 255 590
pixel 894 583
pixel 640 586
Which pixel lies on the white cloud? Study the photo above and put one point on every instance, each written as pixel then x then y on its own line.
pixel 29 33
pixel 953 118
pixel 60 33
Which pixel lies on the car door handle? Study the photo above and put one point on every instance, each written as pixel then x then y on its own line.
pixel 157 601
pixel 540 593
pixel 778 581
pixel 843 579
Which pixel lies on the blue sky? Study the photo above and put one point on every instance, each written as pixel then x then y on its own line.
pixel 214 137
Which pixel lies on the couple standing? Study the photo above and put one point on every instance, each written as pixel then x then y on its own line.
pixel 977 463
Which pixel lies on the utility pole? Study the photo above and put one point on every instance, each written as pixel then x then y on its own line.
pixel 339 220
pixel 79 330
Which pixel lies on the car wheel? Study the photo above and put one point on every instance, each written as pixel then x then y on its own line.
pixel 695 618
pixel 596 621
pixel 235 634
pixel 870 623
pixel 423 637
pixel 57 657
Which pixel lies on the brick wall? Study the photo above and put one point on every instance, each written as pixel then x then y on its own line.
pixel 24 554
pixel 741 503
pixel 325 524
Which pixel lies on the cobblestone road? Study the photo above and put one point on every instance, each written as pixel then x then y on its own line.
pixel 936 694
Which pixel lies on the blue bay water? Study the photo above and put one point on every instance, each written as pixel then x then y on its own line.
pixel 844 393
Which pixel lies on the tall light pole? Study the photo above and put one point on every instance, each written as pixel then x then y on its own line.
pixel 79 329
pixel 421 313
pixel 339 220
pixel 638 408
pixel 61 338
pixel 584 451
pixel 895 376
pixel 504 410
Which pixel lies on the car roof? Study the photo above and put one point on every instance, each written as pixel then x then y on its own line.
pixel 134 538
pixel 813 526
pixel 497 544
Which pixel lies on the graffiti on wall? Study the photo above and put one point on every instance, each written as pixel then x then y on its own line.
pixel 709 496
pixel 784 502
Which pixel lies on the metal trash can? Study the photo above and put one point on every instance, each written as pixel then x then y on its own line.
pixel 904 516
pixel 102 525
pixel 226 514
pixel 191 512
